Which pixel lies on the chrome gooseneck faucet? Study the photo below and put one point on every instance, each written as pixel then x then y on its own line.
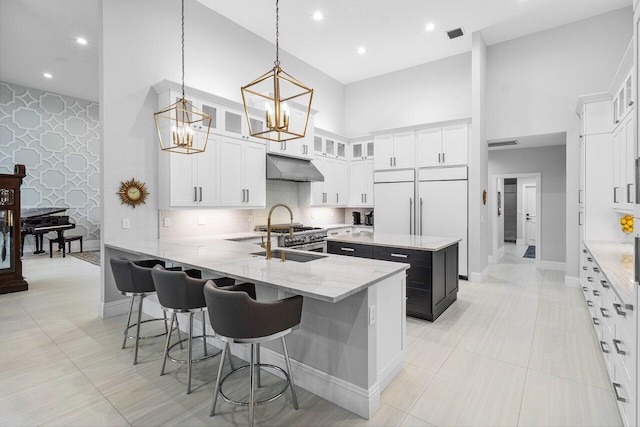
pixel 268 246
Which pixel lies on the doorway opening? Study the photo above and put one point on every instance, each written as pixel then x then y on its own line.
pixel 515 220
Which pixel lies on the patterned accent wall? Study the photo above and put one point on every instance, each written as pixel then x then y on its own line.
pixel 57 138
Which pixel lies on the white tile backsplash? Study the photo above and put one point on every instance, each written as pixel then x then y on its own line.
pixel 184 223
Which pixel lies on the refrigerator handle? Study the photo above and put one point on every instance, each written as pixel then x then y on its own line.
pixel 636 266
pixel 421 216
pixel 410 209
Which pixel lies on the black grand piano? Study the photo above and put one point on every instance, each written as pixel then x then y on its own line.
pixel 40 221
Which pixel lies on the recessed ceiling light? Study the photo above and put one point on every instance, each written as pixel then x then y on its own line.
pixel 318 16
pixel 47 75
pixel 81 41
pixel 430 26
pixel 362 50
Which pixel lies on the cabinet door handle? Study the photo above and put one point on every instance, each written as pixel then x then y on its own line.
pixel 604 350
pixel 616 344
pixel 615 193
pixel 584 267
pixel 421 216
pixel 200 193
pixel 337 197
pixel 248 195
pixel 596 293
pixel 584 288
pixel 616 386
pixel 244 198
pixel 362 197
pixel 590 279
pixel 439 157
pixel 603 311
pixel 365 197
pixel 579 218
pixel 390 161
pixel 619 309
pixel 589 259
pixel 410 209
pixel 348 249
pixel 629 193
pixel 395 161
pixel 443 161
pixel 589 304
pixel 596 321
pixel 195 194
pixel 596 269
pixel 579 196
pixel 605 285
pixel 399 255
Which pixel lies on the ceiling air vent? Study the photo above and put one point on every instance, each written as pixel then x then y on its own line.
pixel 503 143
pixel 455 33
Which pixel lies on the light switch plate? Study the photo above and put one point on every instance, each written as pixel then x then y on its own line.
pixel 372 314
pixel 167 222
pixel 126 223
pixel 250 218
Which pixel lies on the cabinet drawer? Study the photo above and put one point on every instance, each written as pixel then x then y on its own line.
pixel 350 249
pixel 419 277
pixel 418 301
pixel 413 257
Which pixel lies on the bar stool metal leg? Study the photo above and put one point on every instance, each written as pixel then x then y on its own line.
pixel 189 346
pixel 291 384
pixel 231 364
pixel 179 334
pixel 135 352
pixel 259 383
pixel 252 385
pixel 225 350
pixel 204 332
pixel 166 347
pixel 126 330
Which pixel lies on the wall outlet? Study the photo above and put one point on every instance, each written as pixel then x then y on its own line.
pixel 372 314
pixel 167 222
pixel 126 223
pixel 202 220
pixel 250 218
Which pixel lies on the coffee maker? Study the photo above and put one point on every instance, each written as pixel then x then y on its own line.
pixel 368 218
pixel 357 218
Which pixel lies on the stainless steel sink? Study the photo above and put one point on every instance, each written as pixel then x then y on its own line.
pixel 291 256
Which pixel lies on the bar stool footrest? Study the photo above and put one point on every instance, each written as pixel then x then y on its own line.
pixel 199 359
pixel 268 399
pixel 147 337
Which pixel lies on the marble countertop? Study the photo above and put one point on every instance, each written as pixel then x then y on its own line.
pixel 331 278
pixel 406 241
pixel 616 261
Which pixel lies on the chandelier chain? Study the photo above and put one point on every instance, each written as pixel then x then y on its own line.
pixel 277 61
pixel 182 49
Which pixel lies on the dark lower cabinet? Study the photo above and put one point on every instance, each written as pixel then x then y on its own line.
pixel 432 280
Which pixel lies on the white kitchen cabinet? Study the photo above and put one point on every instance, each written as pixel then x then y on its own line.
pixel 300 147
pixel 624 154
pixel 191 180
pixel 361 150
pixel 330 147
pixel 333 190
pixel 443 146
pixel 242 173
pixel 361 183
pixel 395 151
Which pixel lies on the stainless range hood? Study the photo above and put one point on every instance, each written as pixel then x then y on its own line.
pixel 291 169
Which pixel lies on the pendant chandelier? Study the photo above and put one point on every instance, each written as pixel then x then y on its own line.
pixel 176 123
pixel 272 93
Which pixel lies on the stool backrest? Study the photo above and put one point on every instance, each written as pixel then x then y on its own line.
pixel 130 277
pixel 178 291
pixel 236 315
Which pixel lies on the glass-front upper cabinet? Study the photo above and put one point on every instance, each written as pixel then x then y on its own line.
pixel 361 150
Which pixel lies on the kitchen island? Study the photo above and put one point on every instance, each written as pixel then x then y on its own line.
pixel 352 337
pixel 432 281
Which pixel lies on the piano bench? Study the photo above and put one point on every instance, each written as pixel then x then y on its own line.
pixel 69 239
pixel 60 243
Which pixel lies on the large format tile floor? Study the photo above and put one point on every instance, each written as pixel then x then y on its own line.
pixel 517 349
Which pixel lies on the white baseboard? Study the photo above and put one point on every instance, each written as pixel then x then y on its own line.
pixel 90 245
pixel 113 308
pixel 479 277
pixel 519 241
pixel 572 281
pixel 491 260
pixel 552 265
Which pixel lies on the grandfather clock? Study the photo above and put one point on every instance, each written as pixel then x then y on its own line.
pixel 11 279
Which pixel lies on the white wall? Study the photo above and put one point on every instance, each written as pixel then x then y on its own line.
pixel 533 83
pixel 550 163
pixel 432 92
pixel 140 47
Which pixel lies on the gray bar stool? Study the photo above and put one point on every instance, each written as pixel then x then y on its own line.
pixel 238 318
pixel 141 286
pixel 179 293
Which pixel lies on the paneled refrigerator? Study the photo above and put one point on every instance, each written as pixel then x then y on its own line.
pixel 394 201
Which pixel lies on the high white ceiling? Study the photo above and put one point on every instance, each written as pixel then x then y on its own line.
pixel 393 31
pixel 38 36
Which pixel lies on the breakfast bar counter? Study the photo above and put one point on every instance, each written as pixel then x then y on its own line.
pixel 352 337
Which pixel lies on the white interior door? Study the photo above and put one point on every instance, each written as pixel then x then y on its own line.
pixel 530 210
